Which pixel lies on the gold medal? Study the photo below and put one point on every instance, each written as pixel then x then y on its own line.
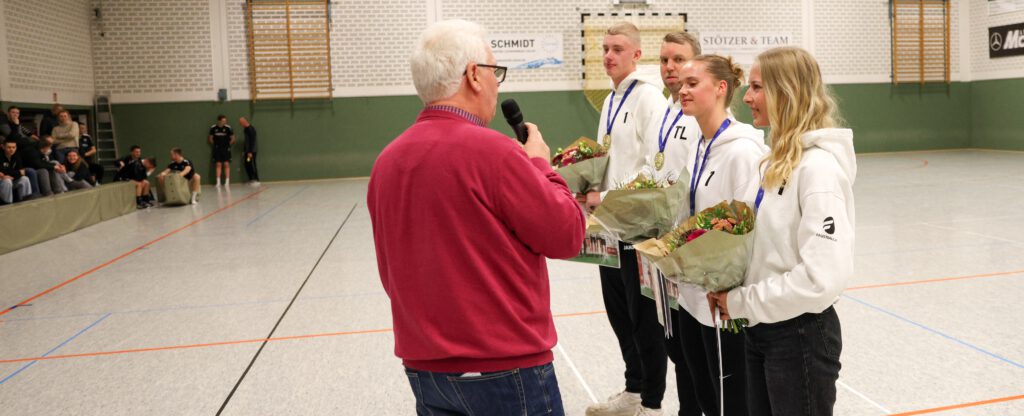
pixel 659 160
pixel 607 142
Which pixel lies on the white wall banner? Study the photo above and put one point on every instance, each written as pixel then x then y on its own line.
pixel 527 50
pixel 1004 6
pixel 743 46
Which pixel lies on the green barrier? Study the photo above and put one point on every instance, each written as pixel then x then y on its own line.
pixel 27 223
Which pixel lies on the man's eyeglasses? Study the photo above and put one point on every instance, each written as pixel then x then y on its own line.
pixel 499 71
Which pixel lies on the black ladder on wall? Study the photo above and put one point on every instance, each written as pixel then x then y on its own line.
pixel 106 140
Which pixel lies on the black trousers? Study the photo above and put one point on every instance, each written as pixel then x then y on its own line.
pixel 250 168
pixel 97 171
pixel 793 365
pixel 691 390
pixel 701 352
pixel 634 319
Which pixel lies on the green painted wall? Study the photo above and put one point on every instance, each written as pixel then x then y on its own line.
pixel 997 114
pixel 342 137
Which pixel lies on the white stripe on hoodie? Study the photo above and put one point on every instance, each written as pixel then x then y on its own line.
pixel 803 246
pixel 628 150
pixel 732 173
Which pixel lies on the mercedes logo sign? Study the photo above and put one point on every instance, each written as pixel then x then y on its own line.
pixel 995 42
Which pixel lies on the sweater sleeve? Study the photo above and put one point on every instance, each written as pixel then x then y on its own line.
pixel 536 205
pixel 825 241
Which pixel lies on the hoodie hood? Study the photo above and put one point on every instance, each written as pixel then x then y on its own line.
pixel 741 131
pixel 838 142
pixel 647 74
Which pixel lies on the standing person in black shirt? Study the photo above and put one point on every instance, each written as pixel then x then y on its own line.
pixel 250 152
pixel 183 167
pixel 50 121
pixel 87 150
pixel 221 138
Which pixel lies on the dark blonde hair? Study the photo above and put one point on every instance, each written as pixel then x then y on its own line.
pixel 683 38
pixel 626 29
pixel 723 68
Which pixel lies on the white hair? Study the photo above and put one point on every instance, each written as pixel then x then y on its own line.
pixel 441 56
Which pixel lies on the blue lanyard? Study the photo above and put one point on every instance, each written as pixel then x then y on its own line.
pixel 760 196
pixel 699 168
pixel 611 119
pixel 662 137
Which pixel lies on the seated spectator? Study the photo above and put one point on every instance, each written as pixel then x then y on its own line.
pixel 66 135
pixel 58 175
pixel 87 150
pixel 31 154
pixel 78 174
pixel 12 175
pixel 181 166
pixel 27 142
pixel 131 166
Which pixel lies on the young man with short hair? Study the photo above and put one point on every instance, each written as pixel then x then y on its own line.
pixel 222 138
pixel 12 175
pixel 181 166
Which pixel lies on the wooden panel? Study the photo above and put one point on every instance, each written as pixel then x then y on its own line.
pixel 920 41
pixel 289 49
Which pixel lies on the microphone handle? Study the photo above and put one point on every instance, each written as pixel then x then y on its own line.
pixel 521 132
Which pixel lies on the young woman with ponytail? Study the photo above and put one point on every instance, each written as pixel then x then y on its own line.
pixel 803 246
pixel 723 166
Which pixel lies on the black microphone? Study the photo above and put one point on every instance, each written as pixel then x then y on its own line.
pixel 514 117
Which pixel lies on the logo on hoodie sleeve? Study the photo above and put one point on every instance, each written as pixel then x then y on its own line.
pixel 829 226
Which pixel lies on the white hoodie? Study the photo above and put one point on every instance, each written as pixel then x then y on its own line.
pixel 677 146
pixel 731 173
pixel 628 151
pixel 803 245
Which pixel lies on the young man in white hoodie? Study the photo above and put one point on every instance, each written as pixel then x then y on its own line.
pixel 671 136
pixel 626 116
pixel 803 249
pixel 723 167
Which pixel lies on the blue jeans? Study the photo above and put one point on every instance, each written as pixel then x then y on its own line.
pixel 516 392
pixel 793 365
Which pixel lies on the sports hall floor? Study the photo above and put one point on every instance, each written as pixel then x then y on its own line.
pixel 259 302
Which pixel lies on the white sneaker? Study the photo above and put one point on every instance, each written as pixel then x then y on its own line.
pixel 195 198
pixel 620 404
pixel 643 411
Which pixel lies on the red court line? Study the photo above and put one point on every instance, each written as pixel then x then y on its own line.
pixel 244 341
pixel 960 406
pixel 941 279
pixel 130 252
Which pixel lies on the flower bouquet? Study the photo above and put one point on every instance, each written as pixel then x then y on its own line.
pixel 640 209
pixel 711 251
pixel 582 164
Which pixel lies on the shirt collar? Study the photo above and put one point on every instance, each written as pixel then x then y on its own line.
pixel 457 111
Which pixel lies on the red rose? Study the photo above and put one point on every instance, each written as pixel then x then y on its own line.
pixel 694 234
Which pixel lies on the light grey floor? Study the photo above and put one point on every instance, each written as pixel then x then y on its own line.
pixel 171 304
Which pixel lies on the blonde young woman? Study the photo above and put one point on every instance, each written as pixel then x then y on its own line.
pixel 803 249
pixel 723 166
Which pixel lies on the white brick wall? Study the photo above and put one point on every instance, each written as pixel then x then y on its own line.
pixel 981 66
pixel 161 49
pixel 47 51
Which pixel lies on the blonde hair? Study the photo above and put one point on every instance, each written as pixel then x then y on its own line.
pixel 683 38
pixel 798 102
pixel 626 29
pixel 723 68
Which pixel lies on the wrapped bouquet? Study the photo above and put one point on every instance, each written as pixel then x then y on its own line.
pixel 642 208
pixel 582 164
pixel 710 250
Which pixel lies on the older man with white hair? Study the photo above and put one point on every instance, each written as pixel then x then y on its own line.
pixel 463 218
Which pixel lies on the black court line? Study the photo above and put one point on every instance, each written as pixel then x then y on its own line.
pixel 271 335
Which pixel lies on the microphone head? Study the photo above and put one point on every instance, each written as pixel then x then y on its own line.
pixel 511 111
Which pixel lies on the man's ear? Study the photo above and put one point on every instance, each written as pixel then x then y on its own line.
pixel 471 77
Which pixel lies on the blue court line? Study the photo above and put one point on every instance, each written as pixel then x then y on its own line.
pixel 936 332
pixel 26 366
pixel 276 206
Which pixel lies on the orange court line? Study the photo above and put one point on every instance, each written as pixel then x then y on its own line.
pixel 130 252
pixel 223 343
pixel 960 406
pixel 941 279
